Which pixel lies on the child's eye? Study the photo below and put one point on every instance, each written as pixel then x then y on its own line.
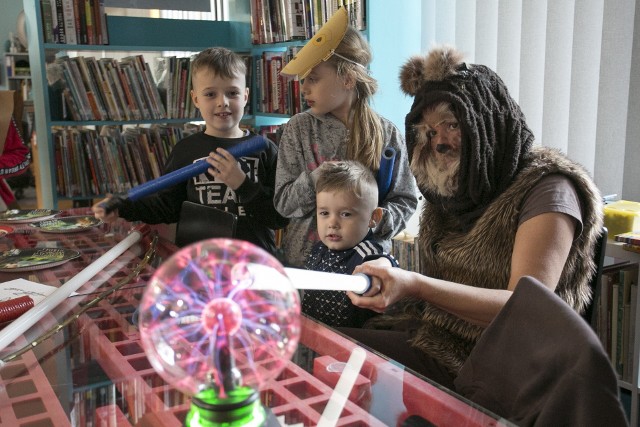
pixel 233 94
pixel 345 214
pixel 210 94
pixel 323 213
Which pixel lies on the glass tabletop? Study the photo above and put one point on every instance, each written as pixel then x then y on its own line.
pixel 88 367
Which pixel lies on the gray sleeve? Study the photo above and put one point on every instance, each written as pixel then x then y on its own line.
pixel 402 199
pixel 294 195
pixel 553 193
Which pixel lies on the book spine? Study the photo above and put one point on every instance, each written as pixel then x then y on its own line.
pixel 57 144
pixel 81 22
pixel 60 22
pixel 147 88
pixel 88 17
pixel 117 112
pixel 100 164
pixel 93 92
pixel 91 163
pixel 631 336
pixel 47 21
pixel 78 8
pixel 69 22
pixel 151 88
pixel 134 87
pixel 88 113
pixel 77 105
pixel 103 23
pixel 71 105
pixel 97 22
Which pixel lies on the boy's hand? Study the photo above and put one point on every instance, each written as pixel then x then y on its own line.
pixel 226 168
pixel 100 212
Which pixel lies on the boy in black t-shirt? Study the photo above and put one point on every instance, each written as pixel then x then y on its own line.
pixel 243 187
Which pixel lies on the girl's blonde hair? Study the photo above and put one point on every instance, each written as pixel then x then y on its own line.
pixel 366 141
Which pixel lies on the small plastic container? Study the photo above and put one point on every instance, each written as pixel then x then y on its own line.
pixel 622 217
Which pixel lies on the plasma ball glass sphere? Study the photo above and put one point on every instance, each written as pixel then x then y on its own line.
pixel 218 314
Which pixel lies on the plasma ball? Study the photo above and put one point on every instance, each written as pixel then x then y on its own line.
pixel 225 311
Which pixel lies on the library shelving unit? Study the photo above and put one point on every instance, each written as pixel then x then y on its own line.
pixel 615 250
pixel 126 34
pixel 18 73
pixel 392 37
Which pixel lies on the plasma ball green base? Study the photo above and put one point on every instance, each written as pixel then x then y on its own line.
pixel 241 407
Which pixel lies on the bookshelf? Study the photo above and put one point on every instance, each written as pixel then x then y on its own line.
pixel 631 382
pixel 16 66
pixel 385 26
pixel 126 34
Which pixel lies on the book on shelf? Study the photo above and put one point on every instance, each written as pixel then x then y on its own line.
pixel 133 109
pixel 632 237
pixel 630 241
pixel 631 335
pixel 108 89
pixel 88 164
pixel 274 21
pixel 93 169
pixel 616 316
pixel 74 21
pixel 130 80
pixel 69 19
pixel 47 21
pixel 80 105
pixel 299 27
pixel 406 250
pixel 148 86
pixel 58 22
pixel 628 280
pixel 175 87
pixel 92 88
pixel 111 87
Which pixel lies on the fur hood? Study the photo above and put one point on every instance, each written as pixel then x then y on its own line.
pixel 496 138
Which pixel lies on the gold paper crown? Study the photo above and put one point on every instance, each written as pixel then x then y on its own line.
pixel 321 47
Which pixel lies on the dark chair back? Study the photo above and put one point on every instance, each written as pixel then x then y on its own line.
pixel 594 283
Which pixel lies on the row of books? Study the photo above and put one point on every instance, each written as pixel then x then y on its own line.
pixel 630 241
pixel 276 93
pixel 616 316
pixel 74 21
pixel 174 83
pixel 271 132
pixel 89 163
pixel 405 249
pixel 274 21
pixel 109 89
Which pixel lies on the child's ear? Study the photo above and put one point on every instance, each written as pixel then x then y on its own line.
pixel 376 217
pixel 349 81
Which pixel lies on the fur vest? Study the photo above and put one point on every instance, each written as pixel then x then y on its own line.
pixel 482 256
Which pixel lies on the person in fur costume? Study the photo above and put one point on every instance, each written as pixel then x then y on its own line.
pixel 497 208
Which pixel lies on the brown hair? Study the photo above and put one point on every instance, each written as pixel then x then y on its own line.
pixel 350 176
pixel 366 141
pixel 223 62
